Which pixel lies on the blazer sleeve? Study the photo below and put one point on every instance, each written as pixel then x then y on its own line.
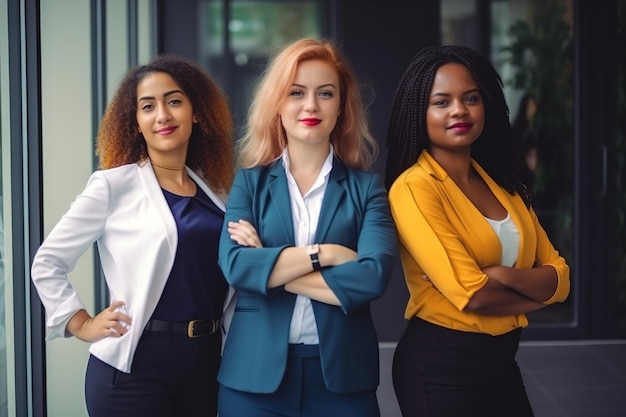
pixel 548 255
pixel 246 268
pixel 75 232
pixel 432 241
pixel 358 282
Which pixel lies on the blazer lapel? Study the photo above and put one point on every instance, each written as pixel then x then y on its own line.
pixel 279 194
pixel 155 194
pixel 334 195
pixel 219 200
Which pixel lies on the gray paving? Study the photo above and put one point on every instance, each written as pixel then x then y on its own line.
pixel 563 379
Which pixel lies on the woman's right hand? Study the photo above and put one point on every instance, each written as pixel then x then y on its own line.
pixel 244 233
pixel 110 322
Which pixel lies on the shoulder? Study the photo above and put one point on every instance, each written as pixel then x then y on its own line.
pixel 119 179
pixel 417 175
pixel 122 172
pixel 420 185
pixel 260 172
pixel 341 171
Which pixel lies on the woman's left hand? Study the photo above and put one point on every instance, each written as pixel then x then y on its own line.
pixel 244 233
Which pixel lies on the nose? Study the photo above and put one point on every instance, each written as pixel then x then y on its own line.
pixel 163 114
pixel 459 108
pixel 311 104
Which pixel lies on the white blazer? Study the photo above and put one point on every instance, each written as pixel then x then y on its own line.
pixel 124 210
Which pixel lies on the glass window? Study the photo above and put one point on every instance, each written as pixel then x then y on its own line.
pixel 238 37
pixel 619 159
pixel 530 44
pixel 3 338
pixel 538 55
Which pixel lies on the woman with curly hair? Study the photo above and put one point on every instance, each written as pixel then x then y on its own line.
pixel 474 255
pixel 155 208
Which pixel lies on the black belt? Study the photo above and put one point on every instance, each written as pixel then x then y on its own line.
pixel 192 329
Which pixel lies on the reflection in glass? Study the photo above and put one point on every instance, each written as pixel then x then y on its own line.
pixel 530 44
pixel 235 43
pixel 619 159
pixel 3 339
pixel 541 54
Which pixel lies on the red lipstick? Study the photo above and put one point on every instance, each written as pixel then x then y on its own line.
pixel 311 121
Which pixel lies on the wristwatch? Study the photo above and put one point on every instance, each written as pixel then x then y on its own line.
pixel 313 251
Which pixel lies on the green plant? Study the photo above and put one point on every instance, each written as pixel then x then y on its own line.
pixel 542 54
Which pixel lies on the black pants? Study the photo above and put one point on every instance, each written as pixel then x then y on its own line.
pixel 171 376
pixel 438 372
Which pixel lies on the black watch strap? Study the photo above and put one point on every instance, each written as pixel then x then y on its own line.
pixel 313 251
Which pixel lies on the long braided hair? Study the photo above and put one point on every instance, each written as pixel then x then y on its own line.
pixel 407 134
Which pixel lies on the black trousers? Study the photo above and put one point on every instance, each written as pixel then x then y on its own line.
pixel 439 372
pixel 171 376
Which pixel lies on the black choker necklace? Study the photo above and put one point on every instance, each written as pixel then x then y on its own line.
pixel 166 167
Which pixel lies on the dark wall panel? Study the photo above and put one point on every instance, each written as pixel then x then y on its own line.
pixel 380 38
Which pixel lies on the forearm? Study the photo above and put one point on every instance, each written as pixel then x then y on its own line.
pixel 75 326
pixel 313 286
pixel 538 284
pixel 499 300
pixel 294 262
pixel 108 323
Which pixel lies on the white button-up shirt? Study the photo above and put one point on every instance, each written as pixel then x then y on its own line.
pixel 305 211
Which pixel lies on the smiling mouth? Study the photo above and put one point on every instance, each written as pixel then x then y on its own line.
pixel 460 126
pixel 311 122
pixel 166 130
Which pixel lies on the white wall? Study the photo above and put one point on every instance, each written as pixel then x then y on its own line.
pixel 68 152
pixel 67 149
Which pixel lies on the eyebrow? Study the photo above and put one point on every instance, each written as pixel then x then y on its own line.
pixel 473 90
pixel 169 93
pixel 321 86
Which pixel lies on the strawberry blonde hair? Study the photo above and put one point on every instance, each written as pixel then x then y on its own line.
pixel 264 139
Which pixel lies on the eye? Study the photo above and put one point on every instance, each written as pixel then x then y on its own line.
pixel 175 101
pixel 326 94
pixel 296 93
pixel 439 103
pixel 475 98
pixel 147 107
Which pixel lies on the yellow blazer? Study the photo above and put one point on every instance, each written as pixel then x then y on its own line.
pixel 443 235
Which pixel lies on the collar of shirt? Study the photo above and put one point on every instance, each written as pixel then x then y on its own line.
pixel 321 179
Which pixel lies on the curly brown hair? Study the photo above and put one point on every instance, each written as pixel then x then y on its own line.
pixel 211 148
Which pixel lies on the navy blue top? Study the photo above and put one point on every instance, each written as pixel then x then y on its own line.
pixel 195 288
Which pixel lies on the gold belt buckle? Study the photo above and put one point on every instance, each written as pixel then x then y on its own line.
pixel 215 325
pixel 190 329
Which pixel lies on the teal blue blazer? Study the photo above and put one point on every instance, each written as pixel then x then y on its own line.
pixel 355 213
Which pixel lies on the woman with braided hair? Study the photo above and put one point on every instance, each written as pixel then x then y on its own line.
pixel 474 255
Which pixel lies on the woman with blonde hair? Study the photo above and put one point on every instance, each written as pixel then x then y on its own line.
pixel 308 242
